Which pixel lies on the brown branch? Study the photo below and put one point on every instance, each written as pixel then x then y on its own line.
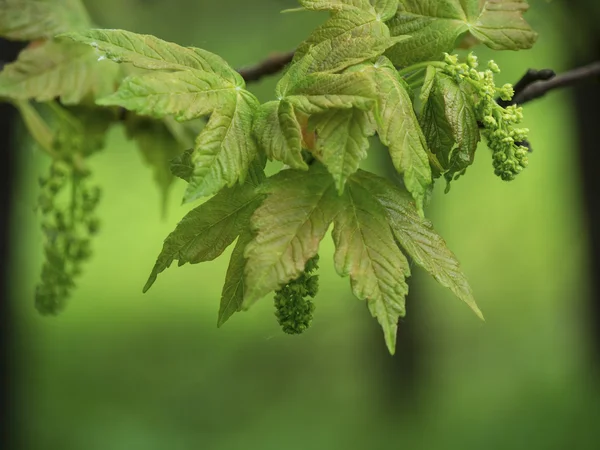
pixel 532 88
pixel 270 66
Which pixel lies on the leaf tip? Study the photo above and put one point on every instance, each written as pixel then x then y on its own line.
pixel 477 311
pixel 148 284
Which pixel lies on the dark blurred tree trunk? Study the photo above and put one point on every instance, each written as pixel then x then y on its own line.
pixel 400 373
pixel 587 102
pixel 8 52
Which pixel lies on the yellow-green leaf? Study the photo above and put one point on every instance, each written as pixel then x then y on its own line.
pixel 224 149
pixel 279 134
pixel 289 226
pixel 418 238
pixel 232 295
pixel 366 251
pixel 206 231
pixel 342 141
pixel 435 26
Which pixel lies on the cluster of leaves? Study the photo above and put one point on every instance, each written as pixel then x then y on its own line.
pixel 342 88
pixel 54 85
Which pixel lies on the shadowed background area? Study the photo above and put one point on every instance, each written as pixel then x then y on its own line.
pixel 122 370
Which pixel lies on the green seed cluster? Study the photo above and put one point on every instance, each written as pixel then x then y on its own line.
pixel 294 309
pixel 67 205
pixel 499 124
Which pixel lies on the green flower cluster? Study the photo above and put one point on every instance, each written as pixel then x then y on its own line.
pixel 499 124
pixel 67 206
pixel 294 309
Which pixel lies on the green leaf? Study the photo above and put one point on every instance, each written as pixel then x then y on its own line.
pixel 150 52
pixel 202 83
pixel 28 20
pixel 418 238
pixel 182 165
pixel 350 36
pixel 428 82
pixel 279 134
pixel 337 5
pixel 386 9
pixel 448 118
pixel 232 295
pixel 206 231
pixel 367 252
pixel 319 92
pixel 289 226
pixel 399 129
pixel 435 26
pixel 501 26
pixel 224 149
pixel 57 69
pixel 185 95
pixel 342 141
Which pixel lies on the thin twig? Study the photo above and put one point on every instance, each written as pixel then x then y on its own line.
pixel 530 77
pixel 270 66
pixel 537 89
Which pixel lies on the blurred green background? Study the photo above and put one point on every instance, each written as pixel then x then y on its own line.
pixel 119 370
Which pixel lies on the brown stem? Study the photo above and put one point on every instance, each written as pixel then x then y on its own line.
pixel 533 88
pixel 269 66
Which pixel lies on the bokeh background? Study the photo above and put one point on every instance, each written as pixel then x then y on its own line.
pixel 119 370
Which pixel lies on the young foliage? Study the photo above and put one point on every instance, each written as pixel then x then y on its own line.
pixel 193 118
pixel 288 227
pixel 198 83
pixel 398 128
pixel 206 231
pixel 450 125
pixel 435 26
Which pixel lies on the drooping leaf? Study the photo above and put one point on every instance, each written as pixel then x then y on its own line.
pixel 28 20
pixel 289 226
pixel 366 251
pixel 232 295
pixel 279 134
pixel 206 231
pixel 435 26
pixel 418 238
pixel 448 118
pixel 398 128
pixel 64 70
pixel 342 141
pixel 224 149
